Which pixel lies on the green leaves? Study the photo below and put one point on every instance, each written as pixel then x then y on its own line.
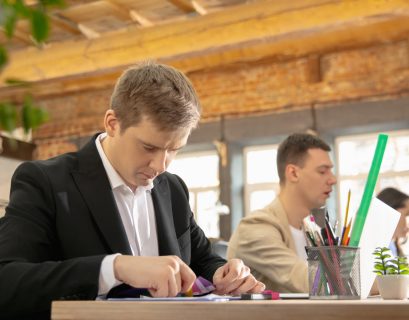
pixel 3 57
pixel 11 11
pixel 30 117
pixel 39 25
pixel 402 265
pixel 8 116
pixel 8 19
pixel 386 264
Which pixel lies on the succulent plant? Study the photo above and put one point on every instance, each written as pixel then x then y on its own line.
pixel 386 264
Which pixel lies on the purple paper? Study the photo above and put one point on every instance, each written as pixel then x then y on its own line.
pixel 202 286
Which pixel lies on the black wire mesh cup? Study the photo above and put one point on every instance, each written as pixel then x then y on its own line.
pixel 333 272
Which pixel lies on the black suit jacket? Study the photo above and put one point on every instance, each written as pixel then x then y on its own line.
pixel 62 220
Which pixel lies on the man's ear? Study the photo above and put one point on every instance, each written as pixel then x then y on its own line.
pixel 111 123
pixel 291 173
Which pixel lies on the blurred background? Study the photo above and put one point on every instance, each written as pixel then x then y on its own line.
pixel 262 69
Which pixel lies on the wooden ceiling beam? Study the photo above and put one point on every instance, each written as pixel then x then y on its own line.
pixel 21 36
pixel 200 9
pixel 184 5
pixel 243 33
pixel 64 23
pixel 141 19
pixel 122 11
pixel 88 32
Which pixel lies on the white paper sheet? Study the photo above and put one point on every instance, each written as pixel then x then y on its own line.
pixel 380 224
pixel 208 297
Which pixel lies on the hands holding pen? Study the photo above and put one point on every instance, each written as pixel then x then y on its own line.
pixel 163 276
pixel 167 276
pixel 235 278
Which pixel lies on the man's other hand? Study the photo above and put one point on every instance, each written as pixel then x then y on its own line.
pixel 235 278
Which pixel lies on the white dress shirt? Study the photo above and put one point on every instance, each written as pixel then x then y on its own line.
pixel 138 218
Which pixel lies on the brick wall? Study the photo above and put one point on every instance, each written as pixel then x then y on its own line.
pixel 339 76
pixel 71 117
pixel 264 86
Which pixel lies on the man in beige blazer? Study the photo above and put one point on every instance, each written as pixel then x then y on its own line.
pixel 271 240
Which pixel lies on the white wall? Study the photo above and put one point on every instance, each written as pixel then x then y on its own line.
pixel 7 168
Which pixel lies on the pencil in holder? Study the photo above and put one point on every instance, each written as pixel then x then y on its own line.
pixel 334 272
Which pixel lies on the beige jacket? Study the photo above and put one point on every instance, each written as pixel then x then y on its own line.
pixel 263 241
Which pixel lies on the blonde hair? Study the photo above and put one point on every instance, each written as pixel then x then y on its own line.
pixel 161 93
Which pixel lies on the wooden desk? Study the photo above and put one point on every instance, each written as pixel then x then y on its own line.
pixel 372 309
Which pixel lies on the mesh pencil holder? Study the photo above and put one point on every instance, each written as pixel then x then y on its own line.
pixel 333 272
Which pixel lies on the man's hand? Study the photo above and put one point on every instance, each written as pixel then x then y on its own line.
pixel 164 276
pixel 235 278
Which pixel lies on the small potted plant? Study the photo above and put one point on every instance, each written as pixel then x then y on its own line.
pixel 393 274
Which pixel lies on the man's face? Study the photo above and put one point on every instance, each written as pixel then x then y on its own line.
pixel 142 152
pixel 315 178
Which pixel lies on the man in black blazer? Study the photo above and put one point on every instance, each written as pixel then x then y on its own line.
pixel 83 223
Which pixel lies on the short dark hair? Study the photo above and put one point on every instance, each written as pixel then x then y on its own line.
pixel 393 197
pixel 294 149
pixel 160 92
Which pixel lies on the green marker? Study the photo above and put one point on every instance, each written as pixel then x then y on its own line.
pixel 368 192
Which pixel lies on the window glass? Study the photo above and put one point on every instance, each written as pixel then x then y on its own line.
pixel 399 182
pixel 262 181
pixel 355 155
pixel 261 165
pixel 200 172
pixel 357 188
pixel 207 216
pixel 197 170
pixel 259 199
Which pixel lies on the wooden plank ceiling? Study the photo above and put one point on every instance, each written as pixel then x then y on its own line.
pixel 92 41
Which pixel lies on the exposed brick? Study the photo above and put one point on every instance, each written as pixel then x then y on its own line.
pixel 74 106
pixel 264 86
pixel 365 62
pixel 51 147
pixel 78 127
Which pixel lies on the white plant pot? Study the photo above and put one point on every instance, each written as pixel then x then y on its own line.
pixel 393 286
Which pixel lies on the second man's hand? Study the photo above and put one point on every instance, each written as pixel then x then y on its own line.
pixel 163 276
pixel 235 278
